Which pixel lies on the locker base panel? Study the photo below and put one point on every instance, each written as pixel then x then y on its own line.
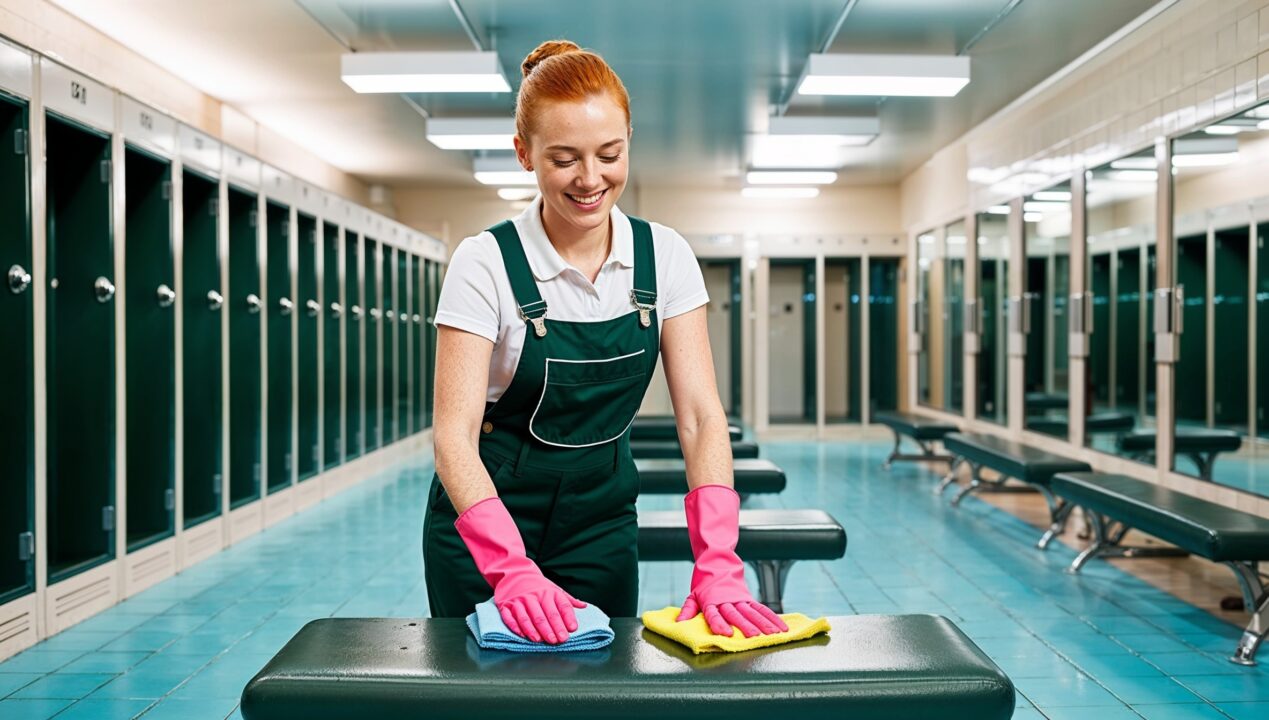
pixel 18 625
pixel 148 566
pixel 308 493
pixel 246 521
pixel 279 505
pixel 199 543
pixel 79 598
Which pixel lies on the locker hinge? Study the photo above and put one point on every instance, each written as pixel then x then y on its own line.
pixel 26 546
pixel 19 141
pixel 108 518
pixel 169 499
pixel 167 189
pixel 217 483
pixel 105 172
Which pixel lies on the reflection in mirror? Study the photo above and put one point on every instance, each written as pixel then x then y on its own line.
pixel 1120 397
pixel 1046 223
pixel 929 329
pixel 954 317
pixel 1219 227
pixel 993 294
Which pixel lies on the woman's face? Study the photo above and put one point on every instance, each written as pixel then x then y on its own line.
pixel 580 154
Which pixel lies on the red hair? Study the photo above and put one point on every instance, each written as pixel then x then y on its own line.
pixel 560 71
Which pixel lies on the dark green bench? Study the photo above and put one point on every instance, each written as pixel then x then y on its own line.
pixel 750 477
pixel 1011 459
pixel 869 667
pixel 1103 423
pixel 1200 445
pixel 1044 402
pixel 771 541
pixel 652 449
pixel 1219 533
pixel 923 431
pixel 663 427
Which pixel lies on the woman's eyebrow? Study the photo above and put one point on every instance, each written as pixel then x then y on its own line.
pixel 567 148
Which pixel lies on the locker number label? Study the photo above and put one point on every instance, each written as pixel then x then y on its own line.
pixel 79 93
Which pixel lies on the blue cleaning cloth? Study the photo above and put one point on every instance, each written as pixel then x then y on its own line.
pixel 491 632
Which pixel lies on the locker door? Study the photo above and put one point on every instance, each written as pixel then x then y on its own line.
pixel 418 369
pixel 838 360
pixel 281 310
pixel 404 288
pixel 792 385
pixel 151 349
pixel 200 343
pixel 374 318
pixel 246 425
pixel 332 372
pixel 718 320
pixel 1099 351
pixel 81 349
pixel 1231 268
pixel 1262 331
pixel 883 333
pixel 17 457
pixel 1191 273
pixel 353 337
pixel 308 312
pixel 389 356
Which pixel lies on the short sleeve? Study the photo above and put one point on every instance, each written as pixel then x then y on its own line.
pixel 684 285
pixel 469 295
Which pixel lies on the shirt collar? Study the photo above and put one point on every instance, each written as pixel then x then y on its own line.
pixel 545 261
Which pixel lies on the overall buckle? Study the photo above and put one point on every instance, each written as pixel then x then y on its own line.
pixel 537 318
pixel 646 307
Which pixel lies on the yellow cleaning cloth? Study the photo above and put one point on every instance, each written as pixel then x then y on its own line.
pixel 696 636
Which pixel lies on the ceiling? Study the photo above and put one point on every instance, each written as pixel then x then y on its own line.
pixel 703 75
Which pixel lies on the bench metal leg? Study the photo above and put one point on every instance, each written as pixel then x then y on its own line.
pixel 894 454
pixel 975 481
pixel 927 454
pixel 1059 512
pixel 950 477
pixel 1106 543
pixel 1095 548
pixel 1203 461
pixel 771 577
pixel 1256 598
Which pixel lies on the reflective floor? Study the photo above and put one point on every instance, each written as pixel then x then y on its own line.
pixel 1105 645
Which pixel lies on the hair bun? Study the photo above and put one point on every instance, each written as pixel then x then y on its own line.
pixel 550 48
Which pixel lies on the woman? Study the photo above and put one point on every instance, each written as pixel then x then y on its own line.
pixel 549 328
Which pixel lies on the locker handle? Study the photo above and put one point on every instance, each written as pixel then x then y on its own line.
pixel 166 296
pixel 390 315
pixel 286 305
pixel 336 309
pixel 19 279
pixel 104 289
pixel 314 307
pixel 356 312
pixel 374 313
pixel 214 300
pixel 253 304
pixel 417 319
pixel 404 318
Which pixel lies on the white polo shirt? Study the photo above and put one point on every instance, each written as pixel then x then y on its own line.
pixel 476 295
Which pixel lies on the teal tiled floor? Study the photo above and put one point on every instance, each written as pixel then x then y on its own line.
pixel 1102 645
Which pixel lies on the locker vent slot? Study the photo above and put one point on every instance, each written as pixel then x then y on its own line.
pixel 152 569
pixel 16 626
pixel 72 600
pixel 200 545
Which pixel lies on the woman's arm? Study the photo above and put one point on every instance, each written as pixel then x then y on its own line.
pixel 462 381
pixel 698 411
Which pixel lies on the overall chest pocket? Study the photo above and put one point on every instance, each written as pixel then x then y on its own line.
pixel 589 402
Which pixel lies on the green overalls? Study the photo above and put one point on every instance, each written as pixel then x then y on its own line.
pixel 557 446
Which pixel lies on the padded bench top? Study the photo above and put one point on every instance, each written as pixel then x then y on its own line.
pixel 764 535
pixel 915 426
pixel 1046 401
pixel 870 667
pixel 1187 440
pixel 1213 531
pixel 671 449
pixel 751 476
pixel 1011 457
pixel 1104 422
pixel 663 427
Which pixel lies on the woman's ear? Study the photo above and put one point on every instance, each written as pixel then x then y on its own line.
pixel 522 153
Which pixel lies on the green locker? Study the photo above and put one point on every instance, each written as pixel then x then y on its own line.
pixel 1262 331
pixel 992 275
pixel 389 356
pixel 1191 372
pixel 405 290
pixel 17 423
pixel 201 346
pixel 332 373
pixel 81 349
pixel 954 337
pixel 373 323
pixel 281 311
pixel 352 339
pixel 246 427
pixel 151 348
pixel 1099 349
pixel 883 333
pixel 1037 292
pixel 306 351
pixel 1128 298
pixel 1231 268
pixel 418 367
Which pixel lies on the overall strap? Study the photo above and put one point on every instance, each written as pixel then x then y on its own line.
pixel 644 294
pixel 523 286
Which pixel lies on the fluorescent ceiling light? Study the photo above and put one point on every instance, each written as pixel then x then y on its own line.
pixel 775 193
pixel 885 75
pixel 1225 129
pixel 955 239
pixel 1204 160
pixel 1033 206
pixel 790 177
pixel 925 239
pixel 1133 176
pixel 1190 152
pixel 515 193
pixel 828 130
pixel 471 133
pixel 1061 196
pixel 1134 163
pixel 998 210
pixel 423 72
pixel 502 171
pixel 1032 217
pixel 796 151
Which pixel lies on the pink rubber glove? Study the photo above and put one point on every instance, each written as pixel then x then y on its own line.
pixel 718 580
pixel 531 606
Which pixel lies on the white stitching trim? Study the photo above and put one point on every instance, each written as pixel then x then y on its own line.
pixel 546 381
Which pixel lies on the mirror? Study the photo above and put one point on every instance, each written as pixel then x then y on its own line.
pixel 954 317
pixel 1219 229
pixel 1120 391
pixel 1046 223
pixel 929 312
pixel 993 296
